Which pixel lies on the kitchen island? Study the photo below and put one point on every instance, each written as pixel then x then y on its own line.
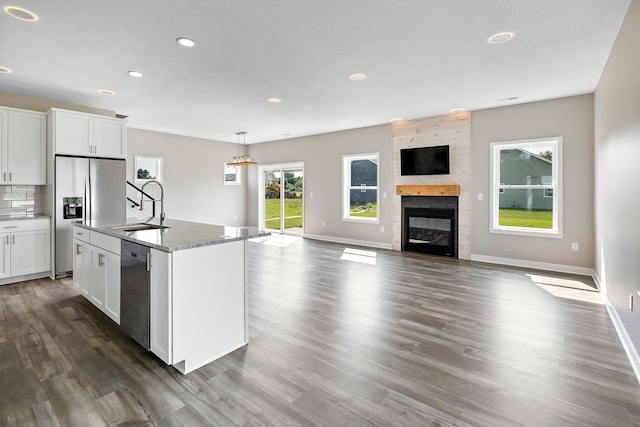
pixel 198 283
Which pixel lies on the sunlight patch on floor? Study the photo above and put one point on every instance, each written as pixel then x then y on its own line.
pixel 567 288
pixel 280 240
pixel 358 255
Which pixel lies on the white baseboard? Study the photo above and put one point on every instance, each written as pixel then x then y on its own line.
pixel 627 344
pixel 332 239
pixel 560 268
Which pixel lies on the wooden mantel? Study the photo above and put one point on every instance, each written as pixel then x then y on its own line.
pixel 428 190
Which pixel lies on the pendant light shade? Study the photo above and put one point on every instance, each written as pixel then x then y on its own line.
pixel 244 159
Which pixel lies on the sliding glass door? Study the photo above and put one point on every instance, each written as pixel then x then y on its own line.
pixel 282 207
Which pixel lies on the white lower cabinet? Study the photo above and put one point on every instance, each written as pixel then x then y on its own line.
pixel 161 312
pixel 24 247
pixel 96 272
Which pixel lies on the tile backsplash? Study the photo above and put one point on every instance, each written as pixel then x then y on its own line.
pixel 20 200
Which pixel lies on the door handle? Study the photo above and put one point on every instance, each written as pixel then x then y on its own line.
pixel 78 252
pixel 100 260
pixel 13 239
pixel 6 239
pixel 10 177
pixel 148 262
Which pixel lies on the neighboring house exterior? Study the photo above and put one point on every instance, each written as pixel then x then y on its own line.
pixel 521 167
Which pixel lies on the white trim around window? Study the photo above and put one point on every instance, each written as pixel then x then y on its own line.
pixel 526 190
pixel 348 187
pixel 232 175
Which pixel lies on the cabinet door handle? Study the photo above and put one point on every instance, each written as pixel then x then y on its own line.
pixel 11 226
pixel 148 262
pixel 10 177
pixel 78 249
pixel 100 260
pixel 6 239
pixel 13 239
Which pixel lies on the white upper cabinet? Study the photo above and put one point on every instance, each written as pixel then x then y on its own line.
pixel 23 147
pixel 83 134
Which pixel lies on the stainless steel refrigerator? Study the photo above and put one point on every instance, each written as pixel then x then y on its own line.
pixel 85 189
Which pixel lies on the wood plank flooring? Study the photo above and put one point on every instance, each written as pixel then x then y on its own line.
pixel 335 341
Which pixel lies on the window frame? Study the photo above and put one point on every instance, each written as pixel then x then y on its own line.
pixel 139 158
pixel 238 180
pixel 498 188
pixel 347 187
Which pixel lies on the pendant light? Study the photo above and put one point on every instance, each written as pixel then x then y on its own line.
pixel 245 159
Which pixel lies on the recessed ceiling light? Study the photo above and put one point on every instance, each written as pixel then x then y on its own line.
pixel 5 70
pixel 396 119
pixel 456 110
pixel 358 76
pixel 21 14
pixel 286 134
pixel 136 74
pixel 500 37
pixel 184 41
pixel 106 92
pixel 344 122
pixel 274 100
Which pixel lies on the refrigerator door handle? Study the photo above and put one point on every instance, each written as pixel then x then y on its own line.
pixel 87 198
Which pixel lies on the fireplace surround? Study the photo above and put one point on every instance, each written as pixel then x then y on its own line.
pixel 430 225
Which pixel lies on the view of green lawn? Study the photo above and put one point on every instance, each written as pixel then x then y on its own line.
pixel 370 212
pixel 292 213
pixel 526 218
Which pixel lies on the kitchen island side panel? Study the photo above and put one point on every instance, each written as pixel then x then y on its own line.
pixel 208 303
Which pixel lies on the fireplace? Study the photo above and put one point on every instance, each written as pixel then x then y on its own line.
pixel 429 225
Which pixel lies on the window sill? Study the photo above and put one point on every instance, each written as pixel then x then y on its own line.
pixel 524 232
pixel 362 221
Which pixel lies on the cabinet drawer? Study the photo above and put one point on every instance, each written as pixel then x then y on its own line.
pixel 108 243
pixel 24 225
pixel 81 234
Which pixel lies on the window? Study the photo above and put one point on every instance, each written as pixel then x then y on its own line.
pixel 360 187
pixel 526 177
pixel 147 168
pixel 232 175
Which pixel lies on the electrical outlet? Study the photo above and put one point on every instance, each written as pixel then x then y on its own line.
pixel 323 223
pixel 480 196
pixel 236 217
pixel 384 195
pixel 382 228
pixel 574 246
pixel 631 302
pixel 311 194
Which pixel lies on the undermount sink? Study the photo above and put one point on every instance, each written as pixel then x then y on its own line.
pixel 137 227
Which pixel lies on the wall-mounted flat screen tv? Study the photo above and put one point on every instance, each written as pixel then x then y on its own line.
pixel 425 161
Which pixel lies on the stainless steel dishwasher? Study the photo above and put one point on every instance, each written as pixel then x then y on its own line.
pixel 135 292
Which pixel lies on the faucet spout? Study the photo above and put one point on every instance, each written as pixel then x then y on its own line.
pixel 162 216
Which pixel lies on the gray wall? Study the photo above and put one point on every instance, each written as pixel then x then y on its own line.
pixel 193 176
pixel 322 157
pixel 571 118
pixel 617 136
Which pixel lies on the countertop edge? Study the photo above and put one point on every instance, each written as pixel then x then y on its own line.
pixel 105 229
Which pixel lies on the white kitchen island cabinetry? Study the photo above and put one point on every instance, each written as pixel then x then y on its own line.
pixel 96 270
pixel 22 147
pixel 24 249
pixel 198 289
pixel 82 134
pixel 205 293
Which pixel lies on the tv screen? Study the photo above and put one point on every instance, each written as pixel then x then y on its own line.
pixel 425 161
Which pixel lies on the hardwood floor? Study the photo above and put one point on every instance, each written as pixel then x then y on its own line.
pixel 412 340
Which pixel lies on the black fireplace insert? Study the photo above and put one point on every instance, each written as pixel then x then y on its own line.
pixel 430 230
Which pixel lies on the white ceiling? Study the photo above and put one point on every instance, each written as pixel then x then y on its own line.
pixel 421 57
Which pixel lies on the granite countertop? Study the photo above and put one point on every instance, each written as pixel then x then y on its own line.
pixel 178 235
pixel 21 217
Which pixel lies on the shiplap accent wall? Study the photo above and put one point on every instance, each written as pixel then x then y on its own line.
pixel 453 130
